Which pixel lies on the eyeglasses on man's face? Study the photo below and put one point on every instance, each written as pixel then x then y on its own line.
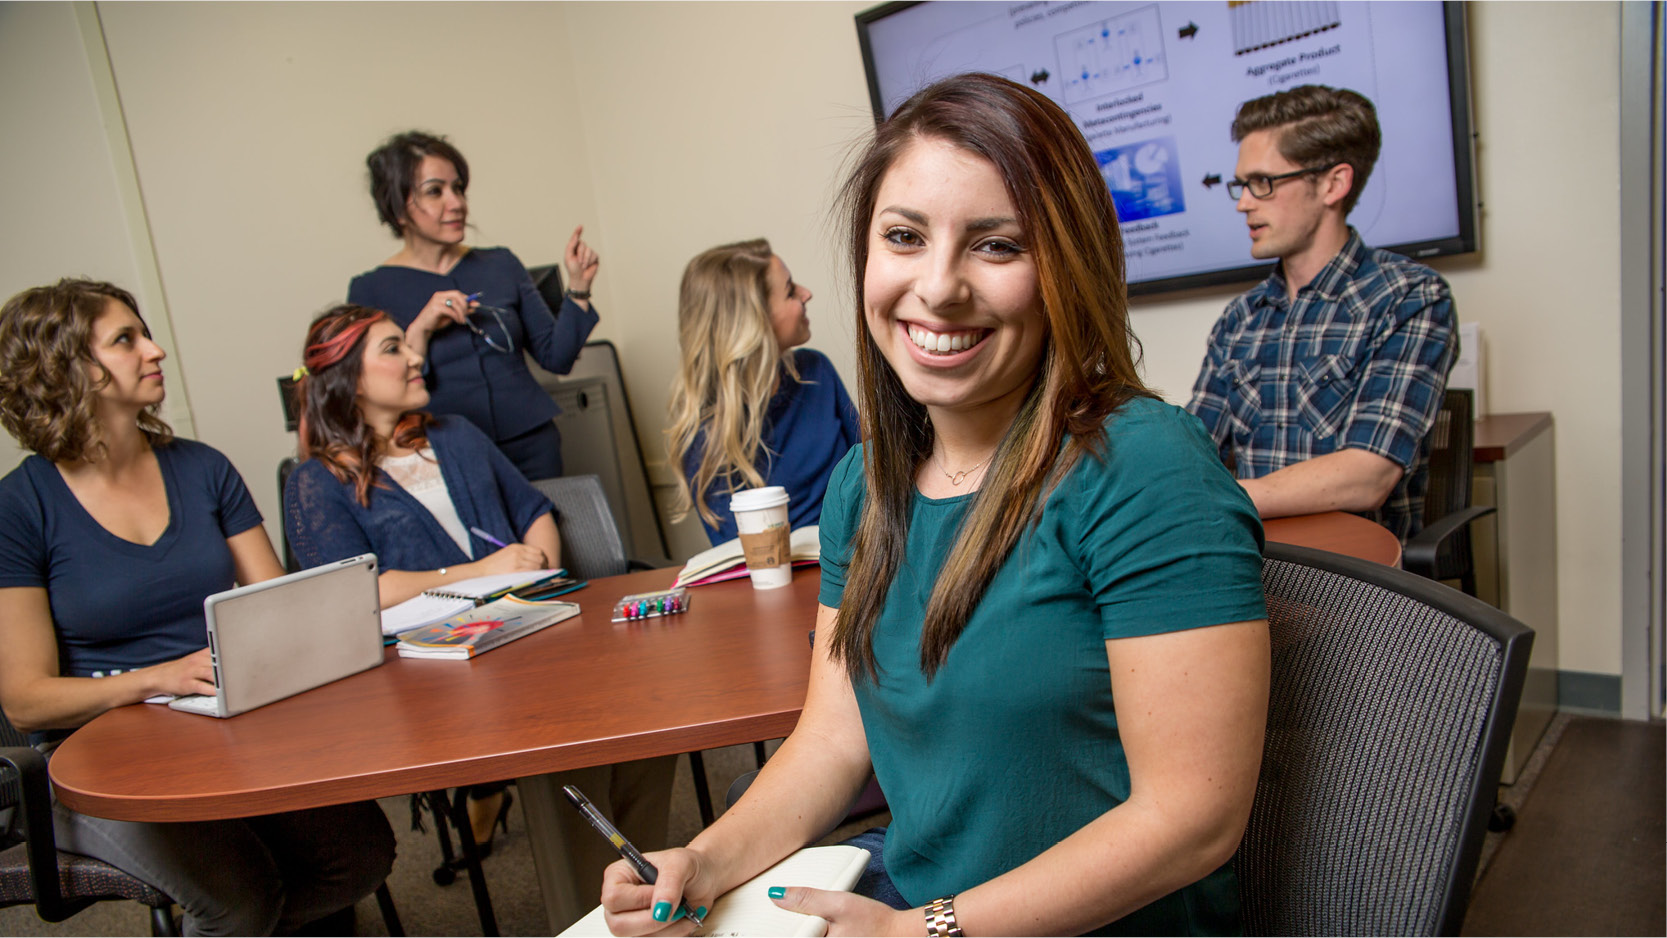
pixel 1261 185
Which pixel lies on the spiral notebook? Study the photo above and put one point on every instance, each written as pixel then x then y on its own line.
pixel 747 909
pixel 437 605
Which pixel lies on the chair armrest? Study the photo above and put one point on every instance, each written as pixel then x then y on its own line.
pixel 634 564
pixel 1419 554
pixel 35 809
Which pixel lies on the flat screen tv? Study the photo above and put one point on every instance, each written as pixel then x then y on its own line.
pixel 1154 87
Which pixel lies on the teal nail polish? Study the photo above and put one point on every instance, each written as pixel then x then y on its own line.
pixel 777 892
pixel 662 911
pixel 700 912
pixel 678 914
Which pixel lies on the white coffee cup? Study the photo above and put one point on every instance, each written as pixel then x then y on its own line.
pixel 766 537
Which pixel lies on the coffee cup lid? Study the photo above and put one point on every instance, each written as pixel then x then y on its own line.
pixel 754 499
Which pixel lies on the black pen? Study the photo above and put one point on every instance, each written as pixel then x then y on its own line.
pixel 645 870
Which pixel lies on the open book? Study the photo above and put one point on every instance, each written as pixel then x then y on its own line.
pixel 481 629
pixel 727 561
pixel 747 909
pixel 436 605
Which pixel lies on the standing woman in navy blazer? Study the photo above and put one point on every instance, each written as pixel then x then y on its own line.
pixel 472 311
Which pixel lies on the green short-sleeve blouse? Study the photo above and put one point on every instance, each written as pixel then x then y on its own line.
pixel 1014 745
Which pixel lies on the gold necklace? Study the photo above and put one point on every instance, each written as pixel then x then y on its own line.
pixel 957 478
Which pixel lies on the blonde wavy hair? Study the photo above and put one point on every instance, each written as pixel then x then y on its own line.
pixel 49 379
pixel 727 371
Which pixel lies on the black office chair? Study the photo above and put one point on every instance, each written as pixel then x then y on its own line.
pixel 590 544
pixel 59 884
pixel 285 467
pixel 33 870
pixel 1391 706
pixel 1441 550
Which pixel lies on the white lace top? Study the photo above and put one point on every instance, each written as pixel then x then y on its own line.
pixel 419 474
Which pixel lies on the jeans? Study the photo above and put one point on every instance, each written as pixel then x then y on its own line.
pixel 246 876
pixel 875 883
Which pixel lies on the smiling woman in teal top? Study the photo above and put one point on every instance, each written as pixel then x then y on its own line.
pixel 1041 623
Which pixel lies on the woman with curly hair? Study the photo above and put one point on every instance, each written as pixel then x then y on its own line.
pixel 750 406
pixel 111 536
pixel 382 476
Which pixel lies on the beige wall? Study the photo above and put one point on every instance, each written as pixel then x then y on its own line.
pixel 70 179
pixel 250 124
pixel 671 127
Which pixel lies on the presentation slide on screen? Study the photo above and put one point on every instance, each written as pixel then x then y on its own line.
pixel 1154 87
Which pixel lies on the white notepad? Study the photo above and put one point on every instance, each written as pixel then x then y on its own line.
pixel 747 909
pixel 441 603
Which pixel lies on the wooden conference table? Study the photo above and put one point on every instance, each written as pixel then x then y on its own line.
pixel 585 692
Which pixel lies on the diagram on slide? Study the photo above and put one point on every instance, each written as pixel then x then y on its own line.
pixel 1258 24
pixel 1111 55
pixel 1145 178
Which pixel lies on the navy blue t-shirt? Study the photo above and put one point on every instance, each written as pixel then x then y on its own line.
pixel 810 426
pixel 117 605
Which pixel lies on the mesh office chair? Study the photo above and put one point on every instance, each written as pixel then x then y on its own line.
pixel 1441 550
pixel 1391 706
pixel 31 855
pixel 590 544
pixel 285 467
pixel 33 870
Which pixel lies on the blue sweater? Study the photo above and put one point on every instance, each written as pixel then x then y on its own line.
pixel 117 605
pixel 324 522
pixel 810 426
pixel 493 390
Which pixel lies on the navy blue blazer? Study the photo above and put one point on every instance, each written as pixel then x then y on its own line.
pixel 467 377
pixel 324 522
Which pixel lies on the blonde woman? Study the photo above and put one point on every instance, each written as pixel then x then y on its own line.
pixel 750 406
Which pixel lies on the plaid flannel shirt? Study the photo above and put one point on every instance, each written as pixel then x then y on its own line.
pixel 1358 359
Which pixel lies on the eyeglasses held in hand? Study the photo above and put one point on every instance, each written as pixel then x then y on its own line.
pixel 497 342
pixel 1261 186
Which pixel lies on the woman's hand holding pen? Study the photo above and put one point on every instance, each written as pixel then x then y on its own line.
pixel 512 559
pixel 629 904
pixel 443 309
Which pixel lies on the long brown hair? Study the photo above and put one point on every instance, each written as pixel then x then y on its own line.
pixel 1089 362
pixel 727 370
pixel 47 388
pixel 332 429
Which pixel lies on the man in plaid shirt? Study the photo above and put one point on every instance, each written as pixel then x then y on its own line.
pixel 1320 385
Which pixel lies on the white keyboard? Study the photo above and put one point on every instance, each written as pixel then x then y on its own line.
pixel 197 703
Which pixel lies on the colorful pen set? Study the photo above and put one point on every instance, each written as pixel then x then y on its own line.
pixel 649 605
